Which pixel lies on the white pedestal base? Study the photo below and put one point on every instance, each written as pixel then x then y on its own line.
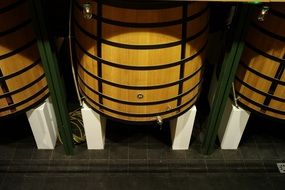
pixel 94 126
pixel 181 129
pixel 232 126
pixel 43 124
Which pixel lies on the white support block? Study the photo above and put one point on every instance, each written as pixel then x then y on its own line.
pixel 43 124
pixel 181 129
pixel 232 126
pixel 94 126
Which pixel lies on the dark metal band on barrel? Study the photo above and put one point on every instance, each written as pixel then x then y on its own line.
pixel 99 50
pixel 259 91
pixel 148 25
pixel 183 50
pixel 6 77
pixel 142 87
pixel 151 5
pixel 11 6
pixel 261 114
pixel 267 32
pixel 141 115
pixel 139 87
pixel 139 103
pixel 264 54
pixel 277 13
pixel 138 122
pixel 263 107
pixel 274 85
pixel 151 25
pixel 4 87
pixel 260 74
pixel 154 67
pixel 137 5
pixel 142 47
pixel 22 48
pixel 10 93
pixel 16 28
pixel 12 106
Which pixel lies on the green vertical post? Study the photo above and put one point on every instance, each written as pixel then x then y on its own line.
pixel 50 64
pixel 225 80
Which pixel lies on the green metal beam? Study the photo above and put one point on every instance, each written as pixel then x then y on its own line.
pixel 50 64
pixel 225 80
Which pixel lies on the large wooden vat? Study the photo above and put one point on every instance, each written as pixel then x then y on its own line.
pixel 260 79
pixel 22 79
pixel 138 61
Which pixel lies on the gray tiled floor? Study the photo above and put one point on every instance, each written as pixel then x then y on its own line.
pixel 140 157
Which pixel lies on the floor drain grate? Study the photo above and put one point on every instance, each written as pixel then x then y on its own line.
pixel 281 167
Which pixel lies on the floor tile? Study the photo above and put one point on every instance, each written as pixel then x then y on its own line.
pixel 215 166
pixel 137 151
pixel 157 151
pixel 58 168
pixel 267 151
pixel 80 152
pixel 235 166
pixel 78 167
pixel 24 151
pixel 257 182
pixel 196 166
pixel 270 166
pixel 7 151
pixel 158 167
pixel 33 183
pixel 100 154
pixel 249 151
pixel 277 182
pixel 59 153
pixel 19 166
pixel 4 165
pixel 98 166
pixel 60 183
pixel 41 154
pixel 175 154
pixel 194 152
pixel 216 155
pixel 254 166
pixel 138 167
pixel 280 150
pixel 232 154
pixel 119 151
pixel 118 166
pixel 198 182
pixel 38 167
pixel 12 182
pixel 157 182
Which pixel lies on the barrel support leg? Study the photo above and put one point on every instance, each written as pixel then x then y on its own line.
pixel 44 126
pixel 232 126
pixel 181 129
pixel 94 126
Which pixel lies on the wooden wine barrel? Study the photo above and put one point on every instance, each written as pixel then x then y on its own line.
pixel 22 79
pixel 260 79
pixel 140 60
